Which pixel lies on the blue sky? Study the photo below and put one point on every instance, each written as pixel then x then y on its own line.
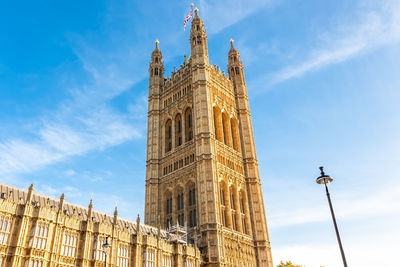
pixel 324 86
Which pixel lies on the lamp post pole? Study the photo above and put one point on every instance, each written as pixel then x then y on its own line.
pixel 106 247
pixel 325 179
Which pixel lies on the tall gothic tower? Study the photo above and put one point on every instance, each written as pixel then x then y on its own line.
pixel 202 170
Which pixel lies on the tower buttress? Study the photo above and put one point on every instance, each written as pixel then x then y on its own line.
pixel 253 181
pixel 156 82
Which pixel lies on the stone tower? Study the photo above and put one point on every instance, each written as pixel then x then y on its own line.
pixel 202 170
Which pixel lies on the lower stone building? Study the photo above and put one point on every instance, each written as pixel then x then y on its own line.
pixel 37 231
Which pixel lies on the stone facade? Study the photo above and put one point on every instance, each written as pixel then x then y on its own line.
pixel 204 204
pixel 36 231
pixel 202 169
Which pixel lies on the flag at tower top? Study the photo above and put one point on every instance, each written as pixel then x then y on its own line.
pixel 189 16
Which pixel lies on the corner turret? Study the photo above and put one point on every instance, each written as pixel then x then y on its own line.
pixel 30 194
pixel 198 40
pixel 156 71
pixel 235 70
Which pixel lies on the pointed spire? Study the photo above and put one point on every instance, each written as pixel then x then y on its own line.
pixel 138 224
pixel 116 211
pixel 90 210
pixel 30 194
pixel 157 42
pixel 233 49
pixel 61 205
pixel 115 214
pixel 196 11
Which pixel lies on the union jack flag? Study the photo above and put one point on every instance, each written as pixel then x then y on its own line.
pixel 189 16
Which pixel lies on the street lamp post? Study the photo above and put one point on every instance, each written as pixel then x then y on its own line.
pixel 326 179
pixel 106 248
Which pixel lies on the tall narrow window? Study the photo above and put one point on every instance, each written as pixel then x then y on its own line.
pixel 33 263
pixel 178 130
pixel 192 206
pixel 149 257
pixel 68 246
pixel 123 255
pixel 156 71
pixel 180 208
pixel 233 208
pixel 167 260
pixel 5 228
pixel 188 125
pixel 98 251
pixel 235 134
pixel 242 213
pixel 224 208
pixel 218 125
pixel 168 210
pixel 168 135
pixel 226 129
pixel 38 235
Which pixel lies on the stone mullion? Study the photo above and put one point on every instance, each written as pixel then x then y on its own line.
pixel 238 213
pixel 183 127
pixel 221 128
pixel 247 213
pixel 229 132
pixel 173 133
pixel 228 207
pixel 185 206
pixel 174 208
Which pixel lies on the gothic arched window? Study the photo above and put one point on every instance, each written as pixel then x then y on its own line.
pixel 218 124
pixel 232 193
pixel 168 209
pixel 192 206
pixel 156 71
pixel 243 212
pixel 235 134
pixel 226 129
pixel 180 207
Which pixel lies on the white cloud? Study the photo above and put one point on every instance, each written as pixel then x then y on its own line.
pixel 377 203
pixel 70 172
pixel 219 14
pixel 69 191
pixel 375 28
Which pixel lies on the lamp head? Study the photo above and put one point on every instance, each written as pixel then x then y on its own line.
pixel 324 178
pixel 106 245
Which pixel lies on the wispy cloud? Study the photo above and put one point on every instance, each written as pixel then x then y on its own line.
pixel 82 123
pixel 377 203
pixel 222 14
pixel 69 191
pixel 370 30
